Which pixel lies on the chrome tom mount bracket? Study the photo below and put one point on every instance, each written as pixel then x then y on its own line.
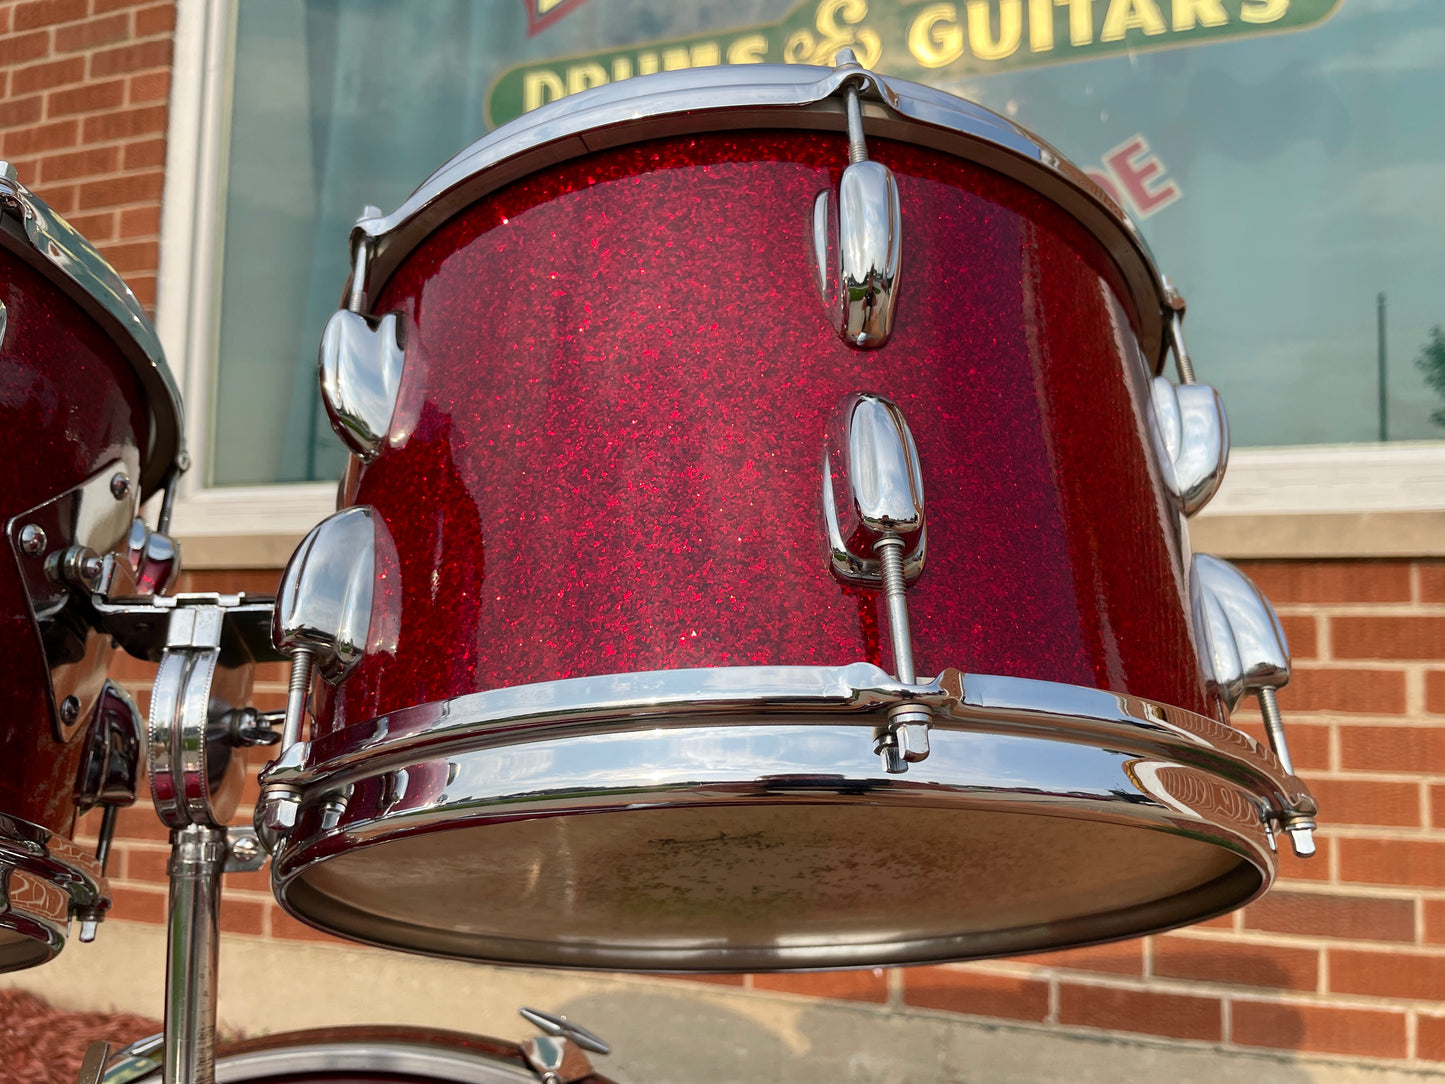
pixel 858 230
pixel 559 1055
pixel 874 519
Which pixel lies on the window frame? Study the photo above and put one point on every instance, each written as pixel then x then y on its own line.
pixel 1335 500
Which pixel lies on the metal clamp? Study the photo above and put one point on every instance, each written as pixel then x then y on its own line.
pixel 857 232
pixel 558 1056
pixel 874 518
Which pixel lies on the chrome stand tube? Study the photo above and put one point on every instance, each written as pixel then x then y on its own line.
pixel 198 855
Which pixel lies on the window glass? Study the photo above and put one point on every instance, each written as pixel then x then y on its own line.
pixel 1285 160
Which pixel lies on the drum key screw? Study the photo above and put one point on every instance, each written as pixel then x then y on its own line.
pixel 1299 824
pixel 119 486
pixel 32 540
pixel 69 710
pixel 79 566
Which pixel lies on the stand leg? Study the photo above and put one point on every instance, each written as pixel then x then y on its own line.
pixel 198 855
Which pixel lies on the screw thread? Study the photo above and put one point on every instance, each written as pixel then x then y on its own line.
pixel 301 667
pixel 1274 727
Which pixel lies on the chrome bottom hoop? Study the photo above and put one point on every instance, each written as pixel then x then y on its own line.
pixel 1078 767
pixel 382 1054
pixel 44 879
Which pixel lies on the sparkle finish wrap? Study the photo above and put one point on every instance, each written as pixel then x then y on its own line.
pixel 69 404
pixel 606 454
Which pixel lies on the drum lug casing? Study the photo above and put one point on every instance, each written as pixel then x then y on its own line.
pixel 1243 648
pixel 360 366
pixel 857 235
pixel 1190 432
pixel 559 1056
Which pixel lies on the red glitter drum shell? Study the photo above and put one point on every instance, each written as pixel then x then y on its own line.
pixel 606 455
pixel 69 405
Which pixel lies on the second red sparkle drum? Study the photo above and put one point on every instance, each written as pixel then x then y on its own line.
pixel 614 706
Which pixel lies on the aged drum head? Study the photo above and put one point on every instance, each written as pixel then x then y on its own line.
pixel 770 845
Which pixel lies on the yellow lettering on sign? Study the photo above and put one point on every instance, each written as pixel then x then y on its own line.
pixel 1131 14
pixel 1081 20
pixel 539 88
pixel 583 76
pixel 935 38
pixel 1263 11
pixel 621 68
pixel 1041 25
pixel 980 29
pixel 1188 12
pixel 752 49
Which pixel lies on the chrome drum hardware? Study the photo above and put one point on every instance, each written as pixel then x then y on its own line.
pixel 361 363
pixel 857 232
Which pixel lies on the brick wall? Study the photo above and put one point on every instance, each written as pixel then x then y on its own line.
pixel 84 89
pixel 1346 956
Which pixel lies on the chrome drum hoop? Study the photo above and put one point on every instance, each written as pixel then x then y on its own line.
pixel 44 880
pixel 783 737
pixel 388 1052
pixel 761 96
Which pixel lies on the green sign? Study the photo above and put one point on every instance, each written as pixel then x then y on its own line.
pixel 926 41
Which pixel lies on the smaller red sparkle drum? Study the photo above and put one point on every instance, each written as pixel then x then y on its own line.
pixel 694 417
pixel 93 427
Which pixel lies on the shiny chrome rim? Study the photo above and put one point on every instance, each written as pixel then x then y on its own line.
pixel 630 742
pixel 740 97
pixel 43 879
pixel 445 1057
pixel 37 234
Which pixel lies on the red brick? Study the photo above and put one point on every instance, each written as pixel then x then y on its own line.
pixel 258 581
pixel 1289 582
pixel 150 87
pixel 125 124
pixel 147 154
pixel 1316 914
pixel 144 288
pixel 56 73
pixel 93 228
pixel 1316 868
pixel 253 881
pixel 240 915
pixel 137 904
pixel 59 136
pixel 4 20
pixel 1387 974
pixel 147 865
pixel 840 985
pixel 1430 1037
pixel 1217 960
pixel 1434 913
pixel 92 34
pixel 1388 637
pixel 1435 691
pixel 1432 581
pixel 127 668
pixel 1414 862
pixel 1367 802
pixel 101 6
pixel 140 822
pixel 131 58
pixel 1300 634
pixel 1117 958
pixel 1319 1029
pixel 140 221
pixel 1309 743
pixel 1377 692
pixel 132 256
pixel 135 188
pixel 1176 1015
pixel 86 99
pixel 19 112
pixel 62 198
pixel 160 19
pixel 287 928
pixel 36 13
pixel 1437 805
pixel 1392 748
pixel 976 993
pixel 1218 922
pixel 86 163
pixel 24 47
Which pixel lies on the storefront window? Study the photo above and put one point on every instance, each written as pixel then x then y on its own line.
pixel 1285 160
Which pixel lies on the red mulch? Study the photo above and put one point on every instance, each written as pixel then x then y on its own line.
pixel 41 1045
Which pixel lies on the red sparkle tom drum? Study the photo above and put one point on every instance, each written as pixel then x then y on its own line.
pixel 93 425
pixel 676 436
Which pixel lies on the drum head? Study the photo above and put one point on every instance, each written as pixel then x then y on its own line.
pixel 763 845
